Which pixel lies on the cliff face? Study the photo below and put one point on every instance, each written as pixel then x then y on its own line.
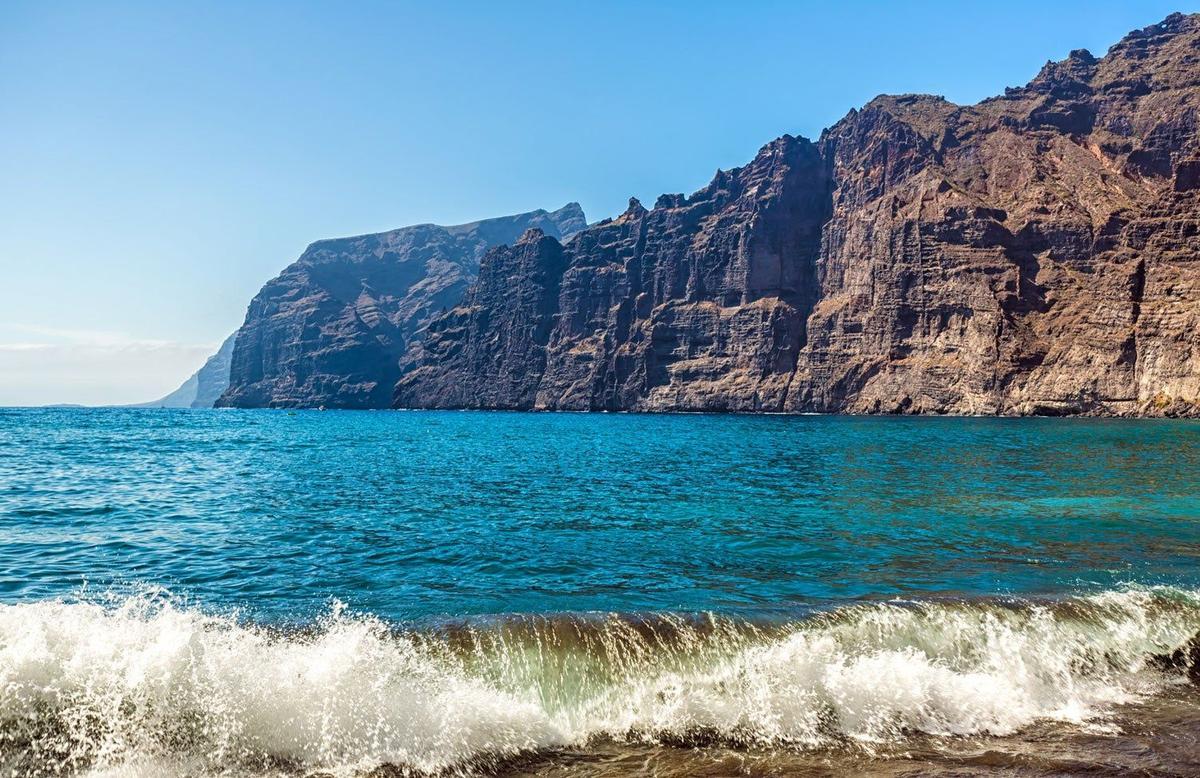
pixel 490 350
pixel 333 327
pixel 701 302
pixel 1036 253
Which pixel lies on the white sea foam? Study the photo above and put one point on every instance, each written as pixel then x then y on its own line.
pixel 148 687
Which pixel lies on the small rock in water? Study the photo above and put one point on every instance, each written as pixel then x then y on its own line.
pixel 1185 659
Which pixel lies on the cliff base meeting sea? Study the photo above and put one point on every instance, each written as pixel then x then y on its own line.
pixel 405 593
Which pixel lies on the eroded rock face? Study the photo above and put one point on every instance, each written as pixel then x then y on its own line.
pixel 332 328
pixel 490 350
pixel 699 303
pixel 1036 253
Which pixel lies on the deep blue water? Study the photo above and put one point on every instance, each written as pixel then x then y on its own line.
pixel 425 515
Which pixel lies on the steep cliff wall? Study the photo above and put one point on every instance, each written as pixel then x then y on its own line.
pixel 699 303
pixel 332 328
pixel 1035 253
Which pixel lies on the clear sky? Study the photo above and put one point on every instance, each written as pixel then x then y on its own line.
pixel 159 161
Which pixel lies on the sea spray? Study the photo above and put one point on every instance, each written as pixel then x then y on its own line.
pixel 148 682
pixel 81 684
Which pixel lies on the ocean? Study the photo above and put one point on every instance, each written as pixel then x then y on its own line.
pixel 405 593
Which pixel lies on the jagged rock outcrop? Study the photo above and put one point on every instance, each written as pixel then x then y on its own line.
pixel 1037 253
pixel 204 387
pixel 700 303
pixel 332 328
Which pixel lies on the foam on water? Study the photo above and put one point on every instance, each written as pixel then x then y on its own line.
pixel 147 685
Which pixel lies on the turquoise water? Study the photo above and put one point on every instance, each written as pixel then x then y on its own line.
pixel 416 515
pixel 306 593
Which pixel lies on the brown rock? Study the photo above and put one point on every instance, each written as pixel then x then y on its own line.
pixel 1036 253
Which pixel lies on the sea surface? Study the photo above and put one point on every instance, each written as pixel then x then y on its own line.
pixel 394 593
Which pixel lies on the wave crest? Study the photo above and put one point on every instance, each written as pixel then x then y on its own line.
pixel 94 687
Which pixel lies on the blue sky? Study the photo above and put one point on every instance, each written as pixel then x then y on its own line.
pixel 160 161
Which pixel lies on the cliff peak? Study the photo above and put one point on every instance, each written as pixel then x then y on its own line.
pixel 1068 78
pixel 1174 24
pixel 635 210
pixel 569 219
pixel 1156 36
pixel 531 235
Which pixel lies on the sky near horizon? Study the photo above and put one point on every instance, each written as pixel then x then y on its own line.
pixel 160 161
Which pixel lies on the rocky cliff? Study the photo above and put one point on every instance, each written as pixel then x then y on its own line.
pixel 333 328
pixel 1036 253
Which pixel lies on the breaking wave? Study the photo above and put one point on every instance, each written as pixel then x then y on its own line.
pixel 148 685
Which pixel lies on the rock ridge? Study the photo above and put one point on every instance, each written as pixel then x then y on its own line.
pixel 333 328
pixel 1035 253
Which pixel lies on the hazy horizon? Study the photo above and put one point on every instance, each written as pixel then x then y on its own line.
pixel 165 162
